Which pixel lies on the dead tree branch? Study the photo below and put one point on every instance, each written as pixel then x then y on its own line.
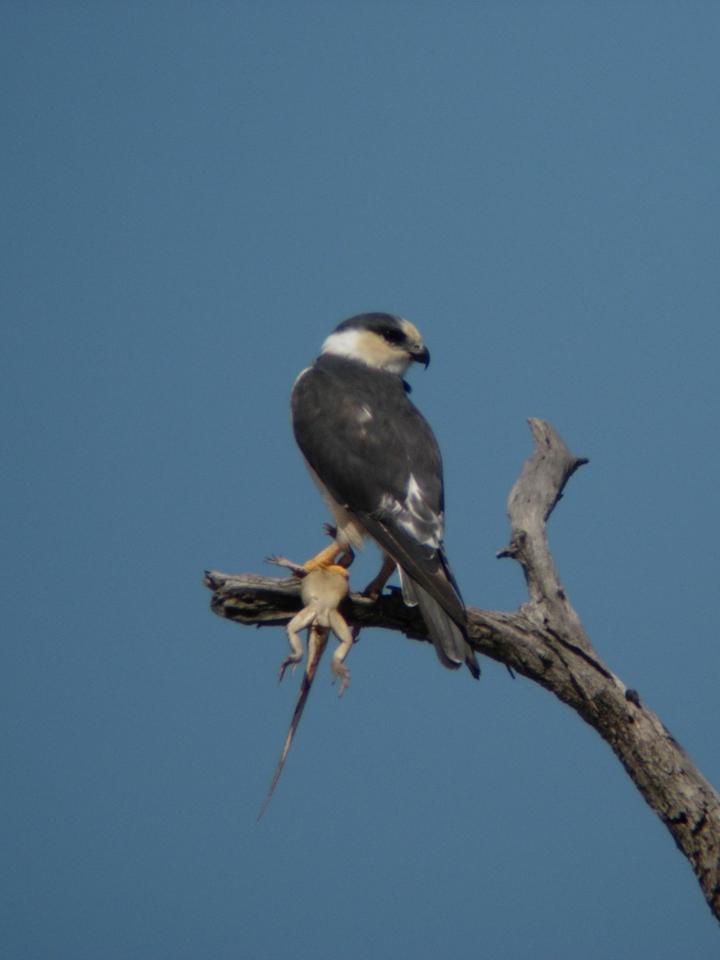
pixel 544 641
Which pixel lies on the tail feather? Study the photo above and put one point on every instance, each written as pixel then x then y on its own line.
pixel 449 639
pixel 438 597
pixel 408 589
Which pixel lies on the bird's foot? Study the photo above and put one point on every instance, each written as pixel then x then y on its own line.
pixel 348 554
pixel 373 590
pixel 325 558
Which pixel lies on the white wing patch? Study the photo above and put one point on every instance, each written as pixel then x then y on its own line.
pixel 415 516
pixel 363 416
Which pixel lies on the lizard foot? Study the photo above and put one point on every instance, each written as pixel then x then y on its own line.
pixel 343 675
pixel 290 661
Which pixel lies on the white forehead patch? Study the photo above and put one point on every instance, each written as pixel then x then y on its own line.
pixel 410 330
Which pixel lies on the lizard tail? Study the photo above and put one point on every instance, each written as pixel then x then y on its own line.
pixel 316 646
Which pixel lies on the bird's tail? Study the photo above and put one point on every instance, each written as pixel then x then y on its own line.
pixel 448 637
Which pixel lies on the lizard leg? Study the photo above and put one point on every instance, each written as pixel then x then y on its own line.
pixel 297 568
pixel 344 634
pixel 298 623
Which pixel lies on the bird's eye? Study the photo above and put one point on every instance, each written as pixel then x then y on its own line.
pixel 392 335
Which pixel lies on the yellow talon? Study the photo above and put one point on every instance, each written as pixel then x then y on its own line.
pixel 325 558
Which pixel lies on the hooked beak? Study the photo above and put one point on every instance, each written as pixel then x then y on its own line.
pixel 421 355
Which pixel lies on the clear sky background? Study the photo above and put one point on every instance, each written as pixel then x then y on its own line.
pixel 194 194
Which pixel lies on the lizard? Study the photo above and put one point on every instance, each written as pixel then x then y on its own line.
pixel 322 590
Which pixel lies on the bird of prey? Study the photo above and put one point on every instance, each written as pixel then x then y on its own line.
pixel 377 464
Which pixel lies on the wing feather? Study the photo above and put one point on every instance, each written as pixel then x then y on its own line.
pixel 363 436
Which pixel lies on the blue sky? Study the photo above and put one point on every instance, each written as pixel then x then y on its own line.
pixel 194 194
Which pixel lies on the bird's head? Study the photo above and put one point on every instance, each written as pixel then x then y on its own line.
pixel 380 340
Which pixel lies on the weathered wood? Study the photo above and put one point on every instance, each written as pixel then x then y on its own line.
pixel 546 642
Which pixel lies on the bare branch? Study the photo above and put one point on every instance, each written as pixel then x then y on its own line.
pixel 530 503
pixel 544 641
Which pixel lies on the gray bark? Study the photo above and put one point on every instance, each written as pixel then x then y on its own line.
pixel 544 641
